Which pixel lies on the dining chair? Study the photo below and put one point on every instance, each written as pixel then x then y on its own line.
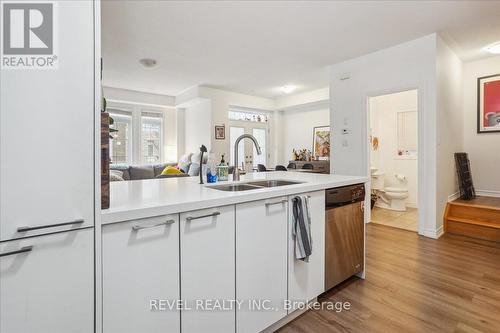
pixel 261 168
pixel 280 168
pixel 308 166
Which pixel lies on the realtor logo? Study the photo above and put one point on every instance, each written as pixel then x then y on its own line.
pixel 28 35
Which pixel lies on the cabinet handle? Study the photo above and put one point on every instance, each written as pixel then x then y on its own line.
pixel 139 227
pixel 27 228
pixel 190 218
pixel 276 203
pixel 21 250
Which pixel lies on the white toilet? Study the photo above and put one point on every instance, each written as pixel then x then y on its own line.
pixel 393 198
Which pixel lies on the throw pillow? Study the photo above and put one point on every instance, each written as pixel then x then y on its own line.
pixel 115 175
pixel 194 169
pixel 123 168
pixel 195 158
pixel 170 170
pixel 184 166
pixel 186 158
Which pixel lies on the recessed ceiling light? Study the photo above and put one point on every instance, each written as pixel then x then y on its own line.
pixel 288 89
pixel 493 48
pixel 148 63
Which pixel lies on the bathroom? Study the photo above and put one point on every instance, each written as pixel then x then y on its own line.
pixel 394 159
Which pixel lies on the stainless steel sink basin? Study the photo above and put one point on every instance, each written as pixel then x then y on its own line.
pixel 255 185
pixel 234 187
pixel 273 183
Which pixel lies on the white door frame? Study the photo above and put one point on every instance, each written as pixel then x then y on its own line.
pixel 421 155
pixel 248 127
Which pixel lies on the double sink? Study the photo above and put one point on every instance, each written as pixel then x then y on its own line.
pixel 254 185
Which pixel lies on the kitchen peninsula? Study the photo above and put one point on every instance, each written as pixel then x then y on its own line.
pixel 178 242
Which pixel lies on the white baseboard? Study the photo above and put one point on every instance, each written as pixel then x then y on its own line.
pixel 488 193
pixel 453 196
pixel 432 233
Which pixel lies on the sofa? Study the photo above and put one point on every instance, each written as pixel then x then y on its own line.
pixel 188 164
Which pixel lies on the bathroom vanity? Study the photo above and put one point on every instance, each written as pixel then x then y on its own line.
pixel 192 247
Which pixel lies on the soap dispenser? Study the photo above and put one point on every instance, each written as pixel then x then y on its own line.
pixel 223 169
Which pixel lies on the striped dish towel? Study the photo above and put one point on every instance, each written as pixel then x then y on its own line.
pixel 301 228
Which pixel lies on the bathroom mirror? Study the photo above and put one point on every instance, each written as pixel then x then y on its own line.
pixel 407 134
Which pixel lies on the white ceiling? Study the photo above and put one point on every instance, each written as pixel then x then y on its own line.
pixel 254 47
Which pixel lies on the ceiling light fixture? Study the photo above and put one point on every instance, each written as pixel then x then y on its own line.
pixel 288 89
pixel 148 63
pixel 493 48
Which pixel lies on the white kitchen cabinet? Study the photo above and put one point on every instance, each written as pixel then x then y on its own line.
pixel 140 261
pixel 208 269
pixel 306 280
pixel 261 268
pixel 48 288
pixel 47 133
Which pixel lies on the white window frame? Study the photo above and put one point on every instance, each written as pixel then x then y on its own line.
pixel 136 111
pixel 123 109
pixel 162 134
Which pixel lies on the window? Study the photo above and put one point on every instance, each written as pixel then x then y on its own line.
pixel 248 116
pixel 152 124
pixel 139 138
pixel 120 147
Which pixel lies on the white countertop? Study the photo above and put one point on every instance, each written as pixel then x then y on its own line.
pixel 154 197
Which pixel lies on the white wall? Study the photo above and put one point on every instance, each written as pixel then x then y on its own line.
pixel 296 100
pixel 138 97
pixel 406 66
pixel 450 137
pixel 219 102
pixel 306 109
pixel 197 118
pixel 170 129
pixel 297 116
pixel 383 120
pixel 297 130
pixel 483 149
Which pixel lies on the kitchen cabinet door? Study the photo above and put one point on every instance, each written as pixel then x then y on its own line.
pixel 261 268
pixel 140 265
pixel 306 280
pixel 47 133
pixel 48 285
pixel 207 269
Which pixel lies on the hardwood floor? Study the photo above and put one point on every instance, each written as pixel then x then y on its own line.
pixel 415 284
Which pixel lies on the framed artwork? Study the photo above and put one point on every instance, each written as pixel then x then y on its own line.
pixel 321 142
pixel 220 132
pixel 488 104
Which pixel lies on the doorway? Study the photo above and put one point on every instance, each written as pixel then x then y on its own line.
pixel 255 124
pixel 393 159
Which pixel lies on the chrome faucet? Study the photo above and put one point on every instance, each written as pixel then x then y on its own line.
pixel 236 171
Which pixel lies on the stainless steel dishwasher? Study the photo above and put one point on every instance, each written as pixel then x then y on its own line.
pixel 344 233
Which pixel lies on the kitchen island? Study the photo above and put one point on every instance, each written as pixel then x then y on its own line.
pixel 198 259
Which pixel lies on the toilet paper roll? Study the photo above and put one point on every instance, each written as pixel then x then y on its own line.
pixel 400 177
